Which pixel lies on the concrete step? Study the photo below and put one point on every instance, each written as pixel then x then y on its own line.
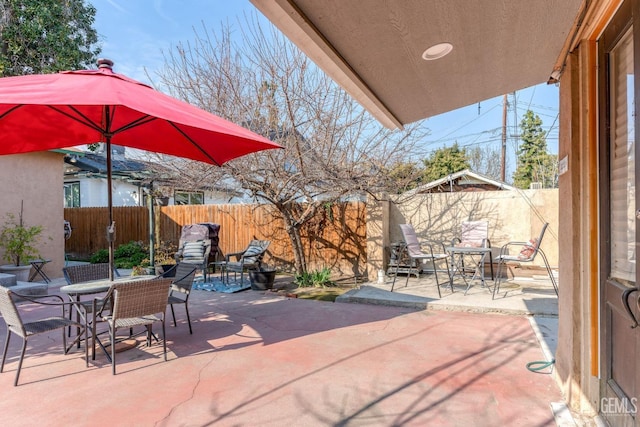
pixel 7 280
pixel 31 288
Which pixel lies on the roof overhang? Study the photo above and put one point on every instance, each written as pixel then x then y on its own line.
pixel 374 49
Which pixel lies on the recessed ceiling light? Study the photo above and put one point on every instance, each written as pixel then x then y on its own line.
pixel 437 51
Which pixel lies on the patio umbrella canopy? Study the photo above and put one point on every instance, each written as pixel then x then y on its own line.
pixel 47 111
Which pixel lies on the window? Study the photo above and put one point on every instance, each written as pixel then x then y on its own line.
pixel 622 188
pixel 71 194
pixel 188 198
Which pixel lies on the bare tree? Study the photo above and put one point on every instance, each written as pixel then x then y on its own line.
pixel 260 80
pixel 485 160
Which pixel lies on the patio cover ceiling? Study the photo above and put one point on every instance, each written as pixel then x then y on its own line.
pixel 374 48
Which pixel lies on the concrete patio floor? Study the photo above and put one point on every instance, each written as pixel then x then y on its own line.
pixel 259 359
pixel 522 295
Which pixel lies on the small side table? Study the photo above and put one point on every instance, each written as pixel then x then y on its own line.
pixel 221 265
pixel 38 265
pixel 458 268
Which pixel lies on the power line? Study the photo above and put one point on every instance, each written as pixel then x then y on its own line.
pixel 466 124
pixel 458 137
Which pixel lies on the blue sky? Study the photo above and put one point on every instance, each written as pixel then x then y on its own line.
pixel 135 33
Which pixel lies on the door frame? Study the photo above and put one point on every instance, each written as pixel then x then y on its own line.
pixel 627 16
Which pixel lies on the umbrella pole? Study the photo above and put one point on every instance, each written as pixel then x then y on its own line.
pixel 111 228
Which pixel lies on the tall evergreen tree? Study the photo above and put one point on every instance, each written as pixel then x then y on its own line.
pixel 445 161
pixel 46 36
pixel 534 164
pixel 405 176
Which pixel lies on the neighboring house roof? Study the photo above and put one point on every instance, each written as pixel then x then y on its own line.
pixel 95 165
pixel 375 49
pixel 92 165
pixel 464 180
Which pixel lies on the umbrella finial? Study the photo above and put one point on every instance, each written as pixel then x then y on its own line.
pixel 105 63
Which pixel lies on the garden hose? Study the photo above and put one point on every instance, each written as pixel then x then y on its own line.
pixel 540 365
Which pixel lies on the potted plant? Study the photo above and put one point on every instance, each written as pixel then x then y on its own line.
pixel 164 259
pixel 262 278
pixel 20 246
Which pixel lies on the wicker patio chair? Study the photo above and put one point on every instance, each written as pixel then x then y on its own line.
pixel 248 259
pixel 139 303
pixel 86 273
pixel 25 330
pixel 181 289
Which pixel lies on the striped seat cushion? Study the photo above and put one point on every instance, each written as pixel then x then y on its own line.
pixel 252 253
pixel 193 251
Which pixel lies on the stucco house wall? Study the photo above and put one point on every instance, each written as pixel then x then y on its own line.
pixel 36 179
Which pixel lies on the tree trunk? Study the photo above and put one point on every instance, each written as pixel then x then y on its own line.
pixel 293 231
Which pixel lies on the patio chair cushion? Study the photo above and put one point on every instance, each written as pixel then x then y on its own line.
pixel 251 254
pixel 528 249
pixel 193 251
pixel 475 234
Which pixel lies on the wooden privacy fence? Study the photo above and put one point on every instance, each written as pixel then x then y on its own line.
pixel 335 238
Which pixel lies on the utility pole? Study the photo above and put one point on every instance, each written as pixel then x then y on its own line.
pixel 503 156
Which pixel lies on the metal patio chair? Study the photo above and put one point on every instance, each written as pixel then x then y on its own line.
pixel 419 252
pixel 528 252
pixel 474 234
pixel 181 289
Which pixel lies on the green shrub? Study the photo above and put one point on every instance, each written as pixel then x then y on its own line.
pixel 316 279
pixel 19 241
pixel 130 254
pixel 99 257
pixel 303 280
pixel 127 255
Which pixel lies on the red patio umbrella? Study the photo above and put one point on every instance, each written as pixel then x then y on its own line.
pixel 47 111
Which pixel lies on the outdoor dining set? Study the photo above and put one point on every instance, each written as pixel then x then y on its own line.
pixel 121 303
pixel 96 294
pixel 465 257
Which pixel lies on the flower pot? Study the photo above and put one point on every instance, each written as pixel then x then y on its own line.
pixel 20 271
pixel 262 280
pixel 166 270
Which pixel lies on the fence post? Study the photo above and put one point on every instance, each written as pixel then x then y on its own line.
pixel 377 220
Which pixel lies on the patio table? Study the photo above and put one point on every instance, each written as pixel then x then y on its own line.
pixel 222 265
pixel 97 286
pixel 477 256
pixel 93 287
